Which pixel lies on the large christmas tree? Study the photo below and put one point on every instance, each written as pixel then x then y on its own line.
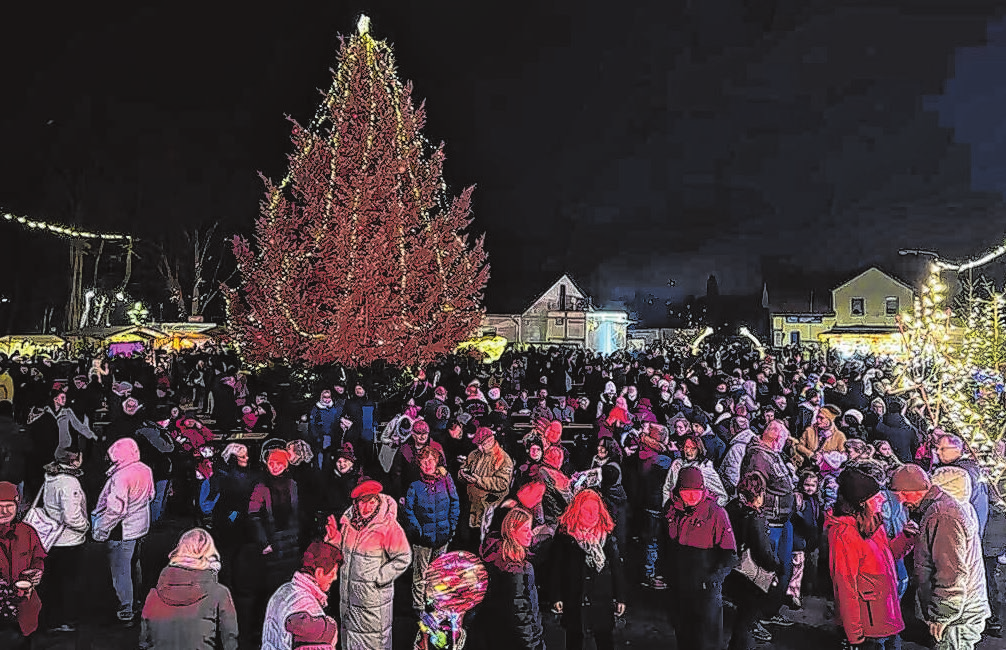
pixel 361 255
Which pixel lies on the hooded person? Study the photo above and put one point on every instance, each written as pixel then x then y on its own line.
pixel 693 454
pixel 122 516
pixel 862 561
pixel 701 553
pixel 376 551
pixel 949 567
pixel 189 608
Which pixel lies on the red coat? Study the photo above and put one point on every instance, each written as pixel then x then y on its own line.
pixel 866 583
pixel 20 549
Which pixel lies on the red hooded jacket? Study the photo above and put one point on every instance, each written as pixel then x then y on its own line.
pixel 866 583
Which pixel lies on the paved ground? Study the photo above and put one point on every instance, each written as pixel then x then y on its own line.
pixel 646 625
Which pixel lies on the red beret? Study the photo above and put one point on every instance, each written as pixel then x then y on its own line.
pixel 366 488
pixel 482 434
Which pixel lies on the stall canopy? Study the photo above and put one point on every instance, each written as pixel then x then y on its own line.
pixel 184 336
pixel 30 344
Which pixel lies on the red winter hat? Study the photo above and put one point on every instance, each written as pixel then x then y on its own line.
pixel 482 434
pixel 531 494
pixel 553 457
pixel 8 491
pixel 553 433
pixel 440 392
pixel 366 488
pixel 419 427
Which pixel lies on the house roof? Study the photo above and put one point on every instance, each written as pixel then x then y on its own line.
pixel 564 278
pixel 884 273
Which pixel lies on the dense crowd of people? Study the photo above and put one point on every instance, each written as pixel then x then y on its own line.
pixel 729 482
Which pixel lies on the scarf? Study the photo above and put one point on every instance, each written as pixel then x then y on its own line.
pixel 359 522
pixel 594 553
pixel 281 493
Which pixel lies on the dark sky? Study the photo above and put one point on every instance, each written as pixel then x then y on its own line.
pixel 628 144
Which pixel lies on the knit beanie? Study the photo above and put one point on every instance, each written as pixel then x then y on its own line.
pixel 910 478
pixel 611 474
pixel 855 486
pixel 690 478
pixel 8 491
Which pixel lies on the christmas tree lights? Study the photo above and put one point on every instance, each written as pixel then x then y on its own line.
pixel 956 358
pixel 65 231
pixel 360 256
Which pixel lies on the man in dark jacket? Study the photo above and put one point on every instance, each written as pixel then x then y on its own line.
pixel 437 414
pixel 701 552
pixel 895 429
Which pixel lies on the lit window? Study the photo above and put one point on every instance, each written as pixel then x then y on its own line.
pixel 858 306
pixel 891 305
pixel 794 338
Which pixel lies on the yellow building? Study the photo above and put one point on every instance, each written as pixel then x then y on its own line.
pixel 863 317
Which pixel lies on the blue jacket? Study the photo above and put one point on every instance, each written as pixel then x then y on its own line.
pixel 321 425
pixel 431 512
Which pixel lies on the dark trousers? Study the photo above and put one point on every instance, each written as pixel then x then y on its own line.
pixel 698 616
pixel 749 600
pixel 604 640
pixel 60 589
pixel 995 598
pixel 887 643
pixel 11 637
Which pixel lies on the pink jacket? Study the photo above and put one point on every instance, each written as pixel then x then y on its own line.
pixel 127 494
pixel 866 584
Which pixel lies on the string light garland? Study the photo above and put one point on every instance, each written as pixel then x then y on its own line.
pixel 957 361
pixel 65 231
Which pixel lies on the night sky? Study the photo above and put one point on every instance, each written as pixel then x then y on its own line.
pixel 629 144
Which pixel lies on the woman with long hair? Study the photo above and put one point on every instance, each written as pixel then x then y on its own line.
pixel 189 608
pixel 587 578
pixel 510 618
pixel 862 563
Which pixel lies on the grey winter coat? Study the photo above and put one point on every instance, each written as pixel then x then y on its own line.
pixel 372 558
pixel 948 560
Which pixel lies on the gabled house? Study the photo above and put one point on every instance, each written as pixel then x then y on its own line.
pixel 862 316
pixel 563 315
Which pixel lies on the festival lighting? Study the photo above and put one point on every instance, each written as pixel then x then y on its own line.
pixel 957 360
pixel 706 333
pixel 64 231
pixel 746 333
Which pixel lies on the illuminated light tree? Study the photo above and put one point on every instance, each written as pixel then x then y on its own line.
pixel 361 255
pixel 957 359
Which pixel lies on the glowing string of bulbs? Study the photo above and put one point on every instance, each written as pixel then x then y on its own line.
pixel 65 231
